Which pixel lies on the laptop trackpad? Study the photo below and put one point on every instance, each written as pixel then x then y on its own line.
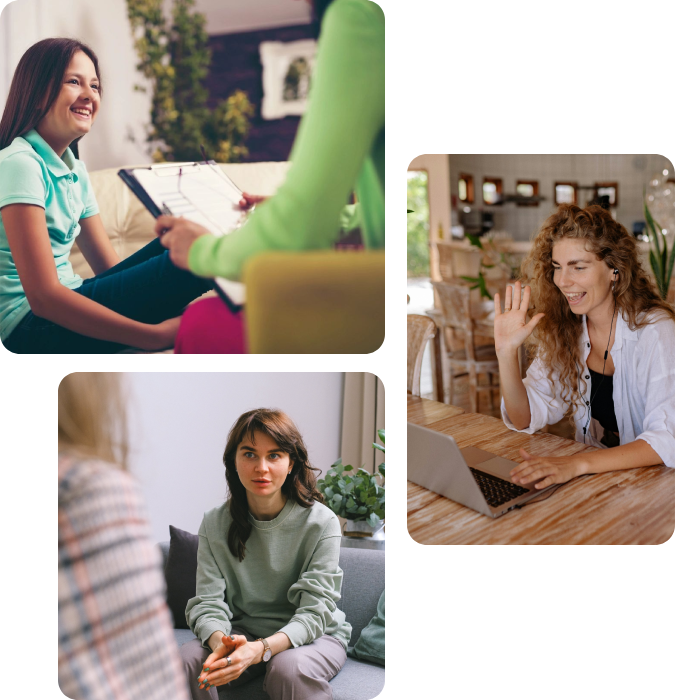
pixel 474 456
pixel 498 466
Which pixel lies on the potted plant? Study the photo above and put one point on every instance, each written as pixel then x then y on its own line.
pixel 492 257
pixel 661 258
pixel 358 496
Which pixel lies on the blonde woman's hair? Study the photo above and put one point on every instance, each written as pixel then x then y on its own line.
pixel 92 416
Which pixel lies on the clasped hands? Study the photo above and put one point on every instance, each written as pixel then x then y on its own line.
pixel 178 234
pixel 217 671
pixel 546 470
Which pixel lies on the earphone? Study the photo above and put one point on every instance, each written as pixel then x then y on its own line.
pixel 584 430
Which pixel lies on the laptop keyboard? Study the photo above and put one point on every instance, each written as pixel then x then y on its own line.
pixel 495 490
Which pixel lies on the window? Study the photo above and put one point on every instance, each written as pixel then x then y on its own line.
pixel 527 188
pixel 466 188
pixel 565 192
pixel 492 190
pixel 418 234
pixel 607 189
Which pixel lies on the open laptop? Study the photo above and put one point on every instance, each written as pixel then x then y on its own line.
pixel 473 477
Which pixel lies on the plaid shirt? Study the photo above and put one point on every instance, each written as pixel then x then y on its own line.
pixel 115 635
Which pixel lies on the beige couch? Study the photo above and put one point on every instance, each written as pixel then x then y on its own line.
pixel 130 225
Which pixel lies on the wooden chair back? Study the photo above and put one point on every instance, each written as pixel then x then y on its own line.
pixel 455 304
pixel 456 312
pixel 420 330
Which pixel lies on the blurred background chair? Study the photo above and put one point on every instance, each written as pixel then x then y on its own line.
pixel 327 301
pixel 470 359
pixel 420 330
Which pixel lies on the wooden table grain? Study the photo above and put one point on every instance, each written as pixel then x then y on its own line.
pixel 632 506
pixel 423 411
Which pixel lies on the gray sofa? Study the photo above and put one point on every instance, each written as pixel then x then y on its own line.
pixel 363 582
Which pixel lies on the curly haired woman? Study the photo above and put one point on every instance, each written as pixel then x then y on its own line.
pixel 603 346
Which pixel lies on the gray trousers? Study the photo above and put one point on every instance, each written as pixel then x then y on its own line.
pixel 302 673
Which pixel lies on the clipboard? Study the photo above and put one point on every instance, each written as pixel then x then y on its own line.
pixel 200 192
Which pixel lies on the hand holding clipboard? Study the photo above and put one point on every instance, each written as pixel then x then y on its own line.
pixel 182 233
pixel 247 201
pixel 190 200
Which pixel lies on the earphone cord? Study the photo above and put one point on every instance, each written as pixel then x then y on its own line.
pixel 553 491
pixel 603 373
pixel 584 429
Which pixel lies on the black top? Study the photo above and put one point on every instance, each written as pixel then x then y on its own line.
pixel 602 407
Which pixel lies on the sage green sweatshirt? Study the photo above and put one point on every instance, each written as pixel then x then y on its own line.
pixel 289 580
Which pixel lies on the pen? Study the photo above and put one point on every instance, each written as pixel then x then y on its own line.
pixel 220 173
pixel 167 212
pixel 165 208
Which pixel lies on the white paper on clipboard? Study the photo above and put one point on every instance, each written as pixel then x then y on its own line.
pixel 203 193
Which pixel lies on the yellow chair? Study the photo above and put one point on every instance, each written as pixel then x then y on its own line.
pixel 315 302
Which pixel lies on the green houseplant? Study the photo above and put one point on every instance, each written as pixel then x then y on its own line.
pixel 661 258
pixel 174 58
pixel 356 495
pixel 492 254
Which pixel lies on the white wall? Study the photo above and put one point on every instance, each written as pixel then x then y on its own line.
pixel 631 172
pixel 180 422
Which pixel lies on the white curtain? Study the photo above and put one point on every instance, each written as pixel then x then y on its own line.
pixel 363 416
pixel 26 15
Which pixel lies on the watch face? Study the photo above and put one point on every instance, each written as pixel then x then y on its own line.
pixel 267 655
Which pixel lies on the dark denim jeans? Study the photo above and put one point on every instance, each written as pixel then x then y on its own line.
pixel 146 286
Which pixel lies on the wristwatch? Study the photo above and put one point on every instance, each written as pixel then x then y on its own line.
pixel 267 652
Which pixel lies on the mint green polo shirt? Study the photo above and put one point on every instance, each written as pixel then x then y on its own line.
pixel 32 173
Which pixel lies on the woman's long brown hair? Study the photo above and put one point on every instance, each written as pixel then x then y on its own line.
pixel 37 83
pixel 300 484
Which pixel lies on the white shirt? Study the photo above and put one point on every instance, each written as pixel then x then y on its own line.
pixel 643 389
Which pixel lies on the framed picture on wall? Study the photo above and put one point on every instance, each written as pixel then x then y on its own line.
pixel 528 188
pixel 287 72
pixel 608 189
pixel 565 192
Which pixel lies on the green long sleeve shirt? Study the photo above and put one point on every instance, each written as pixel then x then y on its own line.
pixel 339 147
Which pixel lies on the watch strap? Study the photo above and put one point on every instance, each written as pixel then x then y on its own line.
pixel 266 648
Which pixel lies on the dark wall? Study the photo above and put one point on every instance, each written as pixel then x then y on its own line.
pixel 236 65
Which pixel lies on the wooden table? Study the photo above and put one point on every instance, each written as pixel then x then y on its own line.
pixel 424 411
pixel 633 506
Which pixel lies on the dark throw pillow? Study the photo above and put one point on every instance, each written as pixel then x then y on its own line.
pixel 180 573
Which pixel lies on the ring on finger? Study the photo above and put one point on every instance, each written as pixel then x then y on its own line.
pixel 229 660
